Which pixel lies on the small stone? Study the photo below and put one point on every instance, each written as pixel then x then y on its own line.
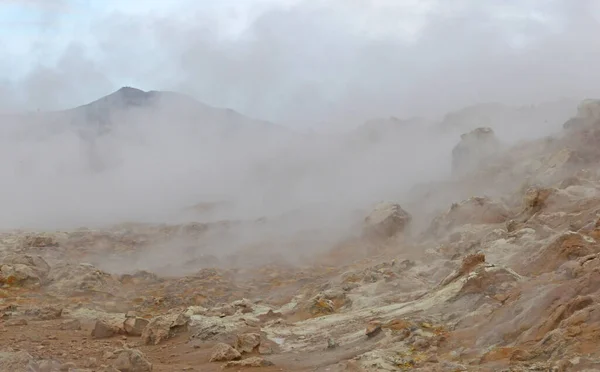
pixel 247 342
pixel 102 330
pixel 373 328
pixel 135 326
pixel 132 360
pixel 108 355
pixel 164 327
pixel 224 353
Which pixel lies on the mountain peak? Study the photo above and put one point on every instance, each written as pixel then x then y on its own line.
pixel 125 97
pixel 129 91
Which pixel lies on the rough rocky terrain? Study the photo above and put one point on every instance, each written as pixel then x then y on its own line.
pixel 506 277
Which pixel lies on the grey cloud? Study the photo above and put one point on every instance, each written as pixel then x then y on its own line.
pixel 310 63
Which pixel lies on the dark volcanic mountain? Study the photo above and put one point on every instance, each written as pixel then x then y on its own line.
pixel 130 105
pixel 130 122
pixel 163 106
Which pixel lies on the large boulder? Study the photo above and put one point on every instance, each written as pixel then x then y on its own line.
pixel 132 360
pixel 224 353
pixel 23 270
pixel 473 149
pixel 164 327
pixel 386 220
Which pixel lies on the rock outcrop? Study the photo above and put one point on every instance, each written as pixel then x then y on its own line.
pixel 474 148
pixel 386 220
pixel 23 270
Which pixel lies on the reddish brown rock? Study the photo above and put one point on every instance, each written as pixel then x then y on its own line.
pixel 103 330
pixel 247 342
pixel 135 326
pixel 373 328
pixel 567 246
pixel 224 353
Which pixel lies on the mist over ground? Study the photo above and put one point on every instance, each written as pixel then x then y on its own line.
pixel 337 105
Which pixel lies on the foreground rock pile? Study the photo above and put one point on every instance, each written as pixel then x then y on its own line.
pixel 501 281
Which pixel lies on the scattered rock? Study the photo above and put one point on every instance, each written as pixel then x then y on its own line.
pixel 131 360
pixel 224 353
pixel 247 342
pixel 135 326
pixel 255 362
pixel 373 328
pixel 103 330
pixel 164 327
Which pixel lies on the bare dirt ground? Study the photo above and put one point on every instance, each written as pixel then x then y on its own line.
pixel 497 281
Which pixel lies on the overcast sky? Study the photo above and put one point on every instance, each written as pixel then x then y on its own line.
pixel 301 62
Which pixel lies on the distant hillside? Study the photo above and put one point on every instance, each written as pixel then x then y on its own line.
pixel 128 105
pixel 511 122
